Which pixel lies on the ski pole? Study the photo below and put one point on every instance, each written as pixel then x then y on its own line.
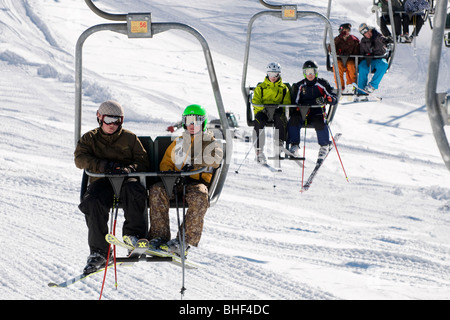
pixel 304 151
pixel 181 235
pixel 113 231
pixel 251 147
pixel 334 142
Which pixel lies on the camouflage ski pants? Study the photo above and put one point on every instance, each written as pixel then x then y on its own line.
pixel 196 199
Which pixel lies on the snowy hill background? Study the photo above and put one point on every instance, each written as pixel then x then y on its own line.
pixel 384 234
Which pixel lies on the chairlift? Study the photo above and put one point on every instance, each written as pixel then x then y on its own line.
pixel 139 25
pixel 438 104
pixel 428 15
pixel 284 13
pixel 389 55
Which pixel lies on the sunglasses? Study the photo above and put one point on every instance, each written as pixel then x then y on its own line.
pixel 272 74
pixel 309 71
pixel 116 120
pixel 194 119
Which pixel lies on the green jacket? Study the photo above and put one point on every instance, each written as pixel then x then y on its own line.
pixel 268 92
pixel 95 149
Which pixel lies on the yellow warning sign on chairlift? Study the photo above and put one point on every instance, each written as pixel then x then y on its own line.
pixel 289 12
pixel 139 25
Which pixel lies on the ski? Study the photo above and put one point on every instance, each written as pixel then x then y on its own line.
pixel 80 277
pixel 152 252
pixel 290 154
pixel 141 247
pixel 370 94
pixel 273 169
pixel 319 163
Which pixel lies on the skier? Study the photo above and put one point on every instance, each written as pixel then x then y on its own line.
pixel 346 44
pixel 194 149
pixel 372 44
pixel 401 20
pixel 271 91
pixel 415 11
pixel 111 149
pixel 312 91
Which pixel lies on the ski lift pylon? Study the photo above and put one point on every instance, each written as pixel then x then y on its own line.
pixel 438 107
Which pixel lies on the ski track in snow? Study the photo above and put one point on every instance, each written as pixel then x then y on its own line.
pixel 383 234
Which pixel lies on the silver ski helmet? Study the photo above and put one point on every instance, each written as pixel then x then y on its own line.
pixel 110 108
pixel 273 67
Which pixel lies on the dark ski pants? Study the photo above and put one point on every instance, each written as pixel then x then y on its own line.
pixel 261 120
pixel 96 205
pixel 314 116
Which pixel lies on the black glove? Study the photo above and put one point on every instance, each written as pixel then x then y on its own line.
pixel 320 100
pixel 388 40
pixel 127 169
pixel 187 167
pixel 112 167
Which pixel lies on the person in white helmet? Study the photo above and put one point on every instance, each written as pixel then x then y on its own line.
pixel 271 91
pixel 111 149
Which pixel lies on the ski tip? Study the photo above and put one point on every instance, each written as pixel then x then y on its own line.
pixel 53 285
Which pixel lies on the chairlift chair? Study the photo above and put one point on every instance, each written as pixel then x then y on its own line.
pixel 285 13
pixel 139 25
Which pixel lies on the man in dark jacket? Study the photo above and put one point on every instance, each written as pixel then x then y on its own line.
pixel 311 91
pixel 373 44
pixel 111 149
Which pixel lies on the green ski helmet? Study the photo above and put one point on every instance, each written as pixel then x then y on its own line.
pixel 197 110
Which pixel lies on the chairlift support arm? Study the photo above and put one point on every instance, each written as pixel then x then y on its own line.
pixel 437 114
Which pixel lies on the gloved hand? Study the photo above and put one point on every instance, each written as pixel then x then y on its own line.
pixel 320 100
pixel 126 169
pixel 330 99
pixel 112 167
pixel 388 40
pixel 187 167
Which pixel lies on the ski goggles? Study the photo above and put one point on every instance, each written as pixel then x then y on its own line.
pixel 364 30
pixel 194 119
pixel 272 74
pixel 108 119
pixel 309 71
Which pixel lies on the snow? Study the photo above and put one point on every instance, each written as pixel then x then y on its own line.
pixel 383 234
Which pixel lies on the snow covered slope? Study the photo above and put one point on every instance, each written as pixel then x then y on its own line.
pixel 384 234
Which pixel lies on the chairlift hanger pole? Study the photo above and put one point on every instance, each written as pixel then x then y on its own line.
pixel 155 29
pixel 394 35
pixel 433 100
pixel 105 15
